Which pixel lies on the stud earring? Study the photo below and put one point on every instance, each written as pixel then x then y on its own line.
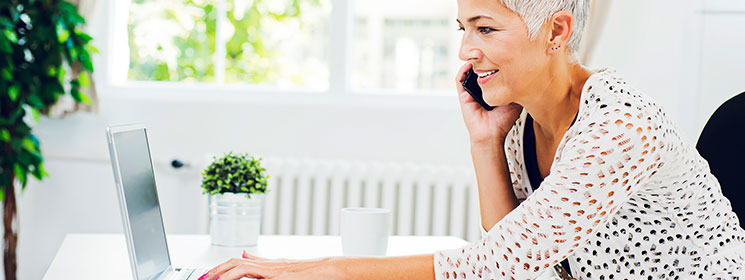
pixel 555 48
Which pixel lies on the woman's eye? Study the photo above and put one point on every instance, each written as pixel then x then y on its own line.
pixel 460 28
pixel 486 30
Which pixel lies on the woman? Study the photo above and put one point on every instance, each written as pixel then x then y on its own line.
pixel 572 165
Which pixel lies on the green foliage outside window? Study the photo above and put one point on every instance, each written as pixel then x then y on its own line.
pixel 174 40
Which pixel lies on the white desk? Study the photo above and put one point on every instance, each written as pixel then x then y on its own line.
pixel 104 256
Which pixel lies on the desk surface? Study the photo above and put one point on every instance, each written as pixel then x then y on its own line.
pixel 104 256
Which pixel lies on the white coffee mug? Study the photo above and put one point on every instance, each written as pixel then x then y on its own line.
pixel 365 231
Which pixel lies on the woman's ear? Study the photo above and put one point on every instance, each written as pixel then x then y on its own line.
pixel 560 25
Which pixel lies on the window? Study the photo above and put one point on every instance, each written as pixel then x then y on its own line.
pixel 399 45
pixel 263 42
pixel 405 45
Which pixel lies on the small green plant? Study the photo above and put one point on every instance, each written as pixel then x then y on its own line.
pixel 231 173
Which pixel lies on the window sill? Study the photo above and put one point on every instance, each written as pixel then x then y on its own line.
pixel 214 93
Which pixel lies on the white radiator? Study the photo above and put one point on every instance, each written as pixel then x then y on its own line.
pixel 305 196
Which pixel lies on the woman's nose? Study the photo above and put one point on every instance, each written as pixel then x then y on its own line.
pixel 468 51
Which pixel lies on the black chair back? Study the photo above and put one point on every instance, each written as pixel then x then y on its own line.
pixel 722 144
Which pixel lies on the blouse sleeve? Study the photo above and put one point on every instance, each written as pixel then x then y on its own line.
pixel 597 171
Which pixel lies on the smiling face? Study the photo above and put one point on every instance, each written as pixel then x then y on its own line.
pixel 495 40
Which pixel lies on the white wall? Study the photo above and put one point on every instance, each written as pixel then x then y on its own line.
pixel 650 44
pixel 687 60
pixel 686 54
pixel 722 70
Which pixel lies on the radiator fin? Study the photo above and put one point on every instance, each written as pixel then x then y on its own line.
pixel 305 196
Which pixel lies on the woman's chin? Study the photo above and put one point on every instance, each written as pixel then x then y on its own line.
pixel 497 102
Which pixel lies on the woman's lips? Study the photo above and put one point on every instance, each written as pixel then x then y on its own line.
pixel 485 79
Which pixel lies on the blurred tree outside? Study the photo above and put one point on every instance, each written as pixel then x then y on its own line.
pixel 266 42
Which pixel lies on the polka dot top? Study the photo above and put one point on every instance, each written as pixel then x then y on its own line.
pixel 627 197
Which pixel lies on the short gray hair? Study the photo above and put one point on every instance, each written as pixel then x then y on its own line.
pixel 537 12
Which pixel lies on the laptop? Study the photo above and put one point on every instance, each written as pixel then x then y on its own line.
pixel 138 200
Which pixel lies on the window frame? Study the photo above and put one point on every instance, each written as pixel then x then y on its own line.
pixel 339 91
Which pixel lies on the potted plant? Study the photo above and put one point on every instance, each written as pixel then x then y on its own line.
pixel 236 185
pixel 44 55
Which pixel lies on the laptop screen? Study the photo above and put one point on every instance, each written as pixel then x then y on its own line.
pixel 141 200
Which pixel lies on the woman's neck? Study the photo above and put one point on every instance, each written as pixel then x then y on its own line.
pixel 554 108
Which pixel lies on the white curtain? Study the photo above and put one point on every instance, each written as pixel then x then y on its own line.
pixel 595 24
pixel 66 105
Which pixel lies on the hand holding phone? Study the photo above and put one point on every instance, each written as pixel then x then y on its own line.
pixel 471 85
pixel 490 124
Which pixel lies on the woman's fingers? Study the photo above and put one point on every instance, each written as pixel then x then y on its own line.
pixel 246 255
pixel 248 269
pixel 267 262
pixel 466 100
pixel 461 75
pixel 222 268
pixel 265 269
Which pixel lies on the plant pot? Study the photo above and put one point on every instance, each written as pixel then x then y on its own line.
pixel 235 219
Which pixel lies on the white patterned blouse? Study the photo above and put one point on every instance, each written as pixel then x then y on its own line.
pixel 627 197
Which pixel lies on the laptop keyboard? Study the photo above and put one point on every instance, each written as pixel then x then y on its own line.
pixel 191 274
pixel 185 274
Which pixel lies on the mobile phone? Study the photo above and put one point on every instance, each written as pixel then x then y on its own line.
pixel 471 85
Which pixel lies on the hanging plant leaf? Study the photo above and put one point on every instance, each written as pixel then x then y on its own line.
pixel 13 93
